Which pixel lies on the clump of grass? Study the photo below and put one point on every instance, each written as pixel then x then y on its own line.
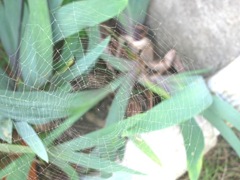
pixel 221 163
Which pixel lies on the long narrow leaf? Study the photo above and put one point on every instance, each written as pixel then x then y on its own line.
pixel 184 105
pixel 187 103
pixel 20 165
pixel 85 64
pixel 109 150
pixel 15 149
pixel 94 37
pixel 156 89
pixel 6 83
pixel 54 4
pixel 225 131
pixel 72 48
pixel 64 126
pixel 21 172
pixel 120 64
pixel 145 148
pixel 37 47
pixel 135 13
pixel 10 13
pixel 120 102
pixel 42 107
pixel 65 167
pixel 194 145
pixel 31 138
pixel 6 127
pixel 226 111
pixel 76 115
pixel 75 16
pixel 89 161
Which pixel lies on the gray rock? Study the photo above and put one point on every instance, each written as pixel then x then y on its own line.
pixel 207 32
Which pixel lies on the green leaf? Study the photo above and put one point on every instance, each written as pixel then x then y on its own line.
pixel 156 89
pixel 89 161
pixel 54 4
pixel 31 138
pixel 6 83
pixel 226 111
pixel 120 102
pixel 217 121
pixel 15 149
pixel 64 126
pixel 109 150
pixel 6 130
pixel 194 146
pixel 75 16
pixel 66 168
pixel 120 64
pixel 10 13
pixel 84 65
pixel 42 107
pixel 18 169
pixel 188 102
pixel 72 49
pixel 135 13
pixel 145 148
pixel 75 116
pixel 94 37
pixel 36 46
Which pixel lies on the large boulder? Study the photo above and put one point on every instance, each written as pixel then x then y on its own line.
pixel 207 32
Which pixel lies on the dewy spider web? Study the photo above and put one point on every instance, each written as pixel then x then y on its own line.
pixel 98 77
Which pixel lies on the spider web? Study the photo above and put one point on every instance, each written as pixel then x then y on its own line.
pixel 98 77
